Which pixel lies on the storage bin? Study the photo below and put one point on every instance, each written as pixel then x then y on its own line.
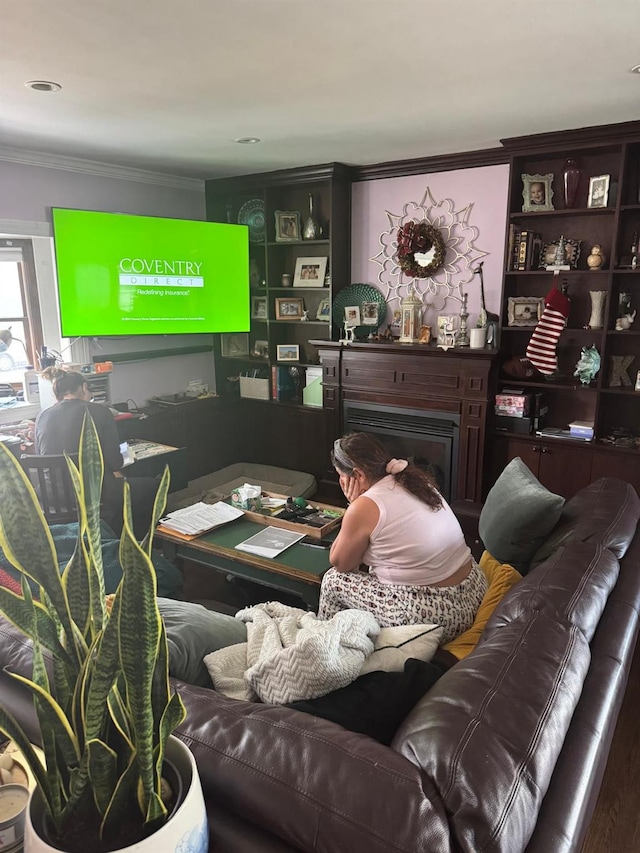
pixel 258 389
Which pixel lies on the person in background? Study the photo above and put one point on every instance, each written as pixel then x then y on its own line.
pixel 400 552
pixel 58 430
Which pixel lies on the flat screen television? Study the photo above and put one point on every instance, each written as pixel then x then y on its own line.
pixel 140 275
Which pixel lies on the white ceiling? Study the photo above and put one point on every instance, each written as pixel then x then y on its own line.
pixel 167 85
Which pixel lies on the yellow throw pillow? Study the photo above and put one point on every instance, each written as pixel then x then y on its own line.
pixel 501 577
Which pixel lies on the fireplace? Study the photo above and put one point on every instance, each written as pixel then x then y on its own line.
pixel 428 438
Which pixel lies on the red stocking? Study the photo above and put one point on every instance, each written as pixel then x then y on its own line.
pixel 541 350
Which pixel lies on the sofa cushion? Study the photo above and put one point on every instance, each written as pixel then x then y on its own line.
pixel 501 577
pixel 375 704
pixel 571 586
pixel 605 511
pixel 517 516
pixel 193 632
pixel 393 647
pixel 489 732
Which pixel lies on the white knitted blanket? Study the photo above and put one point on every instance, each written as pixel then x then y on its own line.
pixel 290 654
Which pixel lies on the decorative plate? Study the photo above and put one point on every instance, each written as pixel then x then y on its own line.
pixel 252 214
pixel 357 294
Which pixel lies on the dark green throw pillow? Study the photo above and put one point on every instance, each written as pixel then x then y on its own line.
pixel 517 516
pixel 193 632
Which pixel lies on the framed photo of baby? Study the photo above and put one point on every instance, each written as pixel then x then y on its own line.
pixel 537 194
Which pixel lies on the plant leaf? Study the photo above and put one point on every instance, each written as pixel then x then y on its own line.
pixel 103 768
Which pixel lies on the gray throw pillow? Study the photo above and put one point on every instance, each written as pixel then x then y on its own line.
pixel 517 516
pixel 193 632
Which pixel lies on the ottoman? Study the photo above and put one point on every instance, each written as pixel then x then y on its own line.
pixel 219 484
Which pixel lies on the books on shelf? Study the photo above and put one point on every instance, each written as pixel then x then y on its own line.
pixel 192 521
pixel 270 542
pixel 556 432
pixel 528 250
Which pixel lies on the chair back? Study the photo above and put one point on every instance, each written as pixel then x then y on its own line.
pixel 49 476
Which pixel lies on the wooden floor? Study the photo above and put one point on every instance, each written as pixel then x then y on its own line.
pixel 616 824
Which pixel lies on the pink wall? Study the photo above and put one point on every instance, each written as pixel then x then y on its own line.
pixel 485 188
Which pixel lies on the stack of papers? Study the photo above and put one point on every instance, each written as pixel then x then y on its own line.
pixel 199 518
pixel 270 542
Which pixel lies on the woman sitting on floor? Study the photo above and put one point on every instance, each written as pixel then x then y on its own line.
pixel 399 526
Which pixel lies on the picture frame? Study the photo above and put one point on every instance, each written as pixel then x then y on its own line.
pixel 598 191
pixel 288 227
pixel 259 308
pixel 537 193
pixel 287 352
pixel 260 349
pixel 324 309
pixel 310 272
pixel 370 313
pixel 352 315
pixel 572 249
pixel 234 344
pixel 446 328
pixel 289 308
pixel 524 310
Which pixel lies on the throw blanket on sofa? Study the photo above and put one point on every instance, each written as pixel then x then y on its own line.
pixel 290 654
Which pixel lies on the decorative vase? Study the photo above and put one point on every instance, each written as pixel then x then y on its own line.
pixel 571 179
pixel 598 297
pixel 186 829
pixel 310 230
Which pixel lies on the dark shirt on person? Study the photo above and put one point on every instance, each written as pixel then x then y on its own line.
pixel 58 430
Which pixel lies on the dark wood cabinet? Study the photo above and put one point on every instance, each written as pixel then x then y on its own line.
pixel 563 470
pixel 607 156
pixel 285 317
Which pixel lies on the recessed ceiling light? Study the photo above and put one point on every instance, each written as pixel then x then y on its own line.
pixel 248 140
pixel 635 69
pixel 43 86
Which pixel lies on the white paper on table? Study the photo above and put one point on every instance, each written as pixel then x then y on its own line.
pixel 200 517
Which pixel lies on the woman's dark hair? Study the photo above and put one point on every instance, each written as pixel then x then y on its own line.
pixel 64 381
pixel 363 450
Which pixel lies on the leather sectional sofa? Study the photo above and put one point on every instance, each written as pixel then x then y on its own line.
pixel 505 753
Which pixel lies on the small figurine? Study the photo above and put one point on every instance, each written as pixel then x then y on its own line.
pixel 425 335
pixel 597 258
pixel 624 323
pixel 305 316
pixel 588 366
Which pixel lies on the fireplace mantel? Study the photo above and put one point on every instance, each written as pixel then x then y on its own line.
pixel 416 376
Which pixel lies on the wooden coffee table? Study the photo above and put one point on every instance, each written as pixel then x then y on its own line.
pixel 298 570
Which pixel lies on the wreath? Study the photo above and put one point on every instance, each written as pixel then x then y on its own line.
pixel 419 237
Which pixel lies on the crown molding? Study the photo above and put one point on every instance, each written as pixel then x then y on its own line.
pixel 25 157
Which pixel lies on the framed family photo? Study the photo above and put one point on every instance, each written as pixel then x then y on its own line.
pixel 524 310
pixel 598 191
pixel 258 307
pixel 310 272
pixel 370 313
pixel 288 352
pixel 537 194
pixel 260 349
pixel 289 309
pixel 352 315
pixel 287 225
pixel 234 344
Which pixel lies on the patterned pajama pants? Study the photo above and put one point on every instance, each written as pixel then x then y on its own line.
pixel 452 607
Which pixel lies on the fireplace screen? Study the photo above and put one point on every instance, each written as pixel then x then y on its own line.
pixel 428 438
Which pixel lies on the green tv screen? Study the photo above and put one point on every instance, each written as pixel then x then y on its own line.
pixel 140 275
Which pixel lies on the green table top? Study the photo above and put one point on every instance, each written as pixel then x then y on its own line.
pixel 314 561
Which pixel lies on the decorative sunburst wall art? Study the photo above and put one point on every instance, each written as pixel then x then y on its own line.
pixel 454 277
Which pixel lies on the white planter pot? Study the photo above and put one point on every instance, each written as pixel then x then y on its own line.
pixel 187 830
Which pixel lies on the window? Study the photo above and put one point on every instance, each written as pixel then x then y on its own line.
pixel 20 323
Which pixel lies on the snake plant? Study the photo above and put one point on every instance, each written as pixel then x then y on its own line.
pixel 103 700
